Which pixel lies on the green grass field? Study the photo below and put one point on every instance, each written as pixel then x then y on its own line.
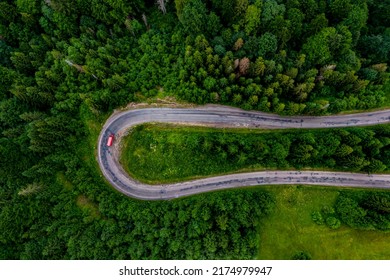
pixel 290 229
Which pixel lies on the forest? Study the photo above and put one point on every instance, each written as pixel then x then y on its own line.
pixel 66 65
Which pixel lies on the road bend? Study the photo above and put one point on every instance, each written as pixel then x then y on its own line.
pixel 223 116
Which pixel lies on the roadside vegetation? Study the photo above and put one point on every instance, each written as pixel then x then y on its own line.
pixel 166 153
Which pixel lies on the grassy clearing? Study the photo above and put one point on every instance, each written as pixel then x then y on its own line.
pixel 290 229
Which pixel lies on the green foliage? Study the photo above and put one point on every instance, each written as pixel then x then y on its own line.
pixel 194 17
pixel 375 47
pixel 333 222
pixel 317 48
pixel 340 8
pixel 230 11
pixel 333 56
pixel 270 10
pixel 252 19
pixel 267 44
pixel 317 217
pixel 367 210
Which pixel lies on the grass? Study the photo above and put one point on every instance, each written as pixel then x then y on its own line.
pixel 290 229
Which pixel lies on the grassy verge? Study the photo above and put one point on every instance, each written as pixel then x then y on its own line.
pixel 289 229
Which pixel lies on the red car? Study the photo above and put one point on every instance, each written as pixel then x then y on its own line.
pixel 110 140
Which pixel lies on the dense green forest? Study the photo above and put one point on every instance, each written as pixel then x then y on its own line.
pixel 159 152
pixel 65 65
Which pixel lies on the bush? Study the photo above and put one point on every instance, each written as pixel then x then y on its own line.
pixel 317 218
pixel 333 222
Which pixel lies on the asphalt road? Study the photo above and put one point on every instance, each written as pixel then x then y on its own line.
pixel 223 116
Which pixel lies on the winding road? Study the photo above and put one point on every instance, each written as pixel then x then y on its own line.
pixel 223 116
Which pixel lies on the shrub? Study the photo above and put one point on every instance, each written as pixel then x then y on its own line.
pixel 333 222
